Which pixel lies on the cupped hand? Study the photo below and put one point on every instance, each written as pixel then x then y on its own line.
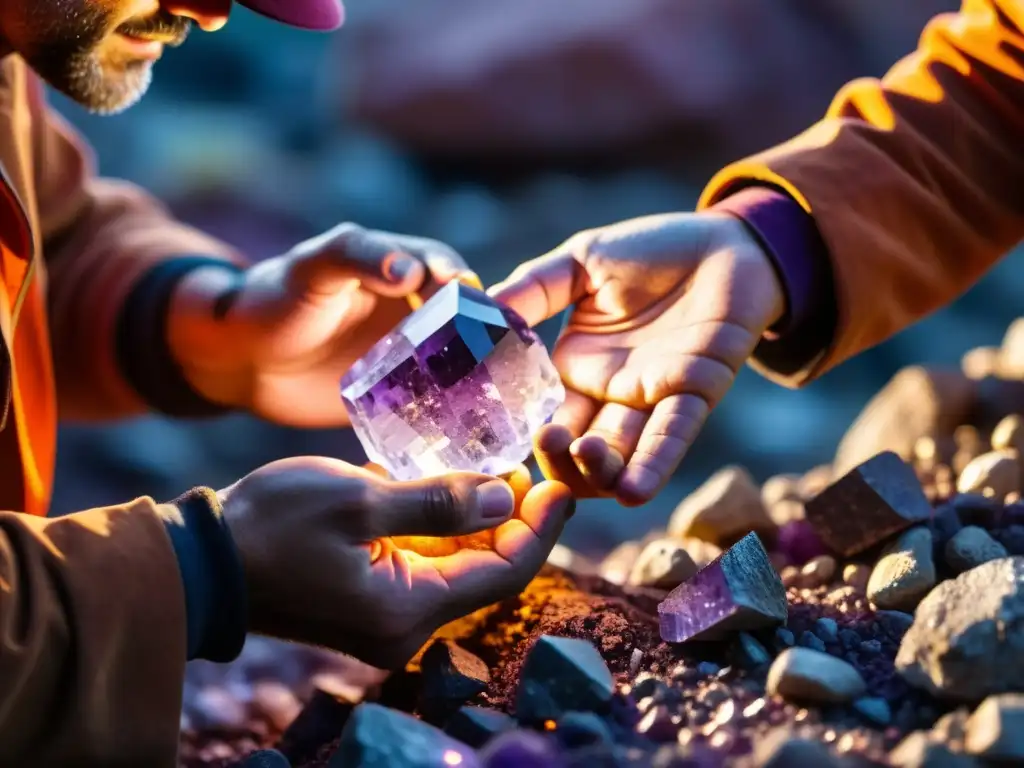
pixel 332 558
pixel 278 342
pixel 665 310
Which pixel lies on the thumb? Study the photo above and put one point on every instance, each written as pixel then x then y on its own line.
pixel 451 505
pixel 326 264
pixel 545 286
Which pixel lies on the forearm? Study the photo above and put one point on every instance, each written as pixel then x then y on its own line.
pixel 912 181
pixel 93 638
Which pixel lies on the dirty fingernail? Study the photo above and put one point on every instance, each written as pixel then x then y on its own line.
pixel 496 500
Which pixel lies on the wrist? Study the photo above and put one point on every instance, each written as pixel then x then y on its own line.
pixel 208 348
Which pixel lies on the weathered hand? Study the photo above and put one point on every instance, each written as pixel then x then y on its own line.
pixel 324 564
pixel 298 321
pixel 667 309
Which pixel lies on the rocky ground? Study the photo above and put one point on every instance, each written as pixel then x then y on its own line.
pixel 869 612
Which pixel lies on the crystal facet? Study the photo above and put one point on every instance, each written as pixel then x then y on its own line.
pixel 462 384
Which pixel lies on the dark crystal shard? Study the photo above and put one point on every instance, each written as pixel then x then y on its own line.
pixel 562 674
pixel 451 676
pixel 739 590
pixel 869 504
pixel 478 725
pixel 462 384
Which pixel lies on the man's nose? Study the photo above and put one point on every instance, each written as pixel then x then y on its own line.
pixel 209 15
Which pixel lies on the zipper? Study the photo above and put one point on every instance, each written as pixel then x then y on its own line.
pixel 30 248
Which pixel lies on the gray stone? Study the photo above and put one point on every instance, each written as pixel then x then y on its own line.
pixel 562 674
pixel 917 402
pixel 376 735
pixel 478 725
pixel 874 709
pixel 967 638
pixel 662 564
pixel 726 506
pixel 996 729
pixel 804 674
pixel 970 547
pixel 918 750
pixel 702 552
pixel 868 505
pixel 782 748
pixel 784 638
pixel 827 629
pixel 996 473
pixel 905 573
pixel 738 591
pixel 895 623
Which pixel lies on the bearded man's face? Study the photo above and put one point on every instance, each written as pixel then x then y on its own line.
pixel 98 52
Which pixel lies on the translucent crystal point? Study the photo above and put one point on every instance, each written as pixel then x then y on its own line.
pixel 462 384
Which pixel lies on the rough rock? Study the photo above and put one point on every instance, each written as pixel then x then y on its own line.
pixel 806 675
pixel 451 676
pixel 818 572
pixel 905 573
pixel 740 590
pixel 895 624
pixel 662 564
pixel 968 634
pixel 874 709
pixel 617 564
pixel 917 402
pixel 784 749
pixel 726 506
pixel 872 502
pixel 377 735
pixel 562 674
pixel 970 547
pixel 996 729
pixel 750 652
pixel 477 725
pixel 918 750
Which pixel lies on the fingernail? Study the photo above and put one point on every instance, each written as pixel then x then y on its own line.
pixel 399 267
pixel 496 499
pixel 470 279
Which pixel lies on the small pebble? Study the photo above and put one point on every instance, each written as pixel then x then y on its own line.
pixel 996 472
pixel 818 572
pixel 751 651
pixel 918 751
pixel 874 709
pixel 996 729
pixel 635 659
pixel 856 575
pixel 805 674
pixel 849 638
pixel 905 573
pixel 1009 435
pixel 790 576
pixel 871 647
pixel 810 640
pixel 971 547
pixel 707 668
pixel 827 629
pixel 784 638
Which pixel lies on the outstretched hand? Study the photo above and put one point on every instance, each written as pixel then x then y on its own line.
pixel 665 310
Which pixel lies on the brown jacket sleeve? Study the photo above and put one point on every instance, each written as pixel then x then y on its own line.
pixel 100 237
pixel 92 639
pixel 915 181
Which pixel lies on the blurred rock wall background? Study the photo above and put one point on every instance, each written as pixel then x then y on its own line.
pixel 501 129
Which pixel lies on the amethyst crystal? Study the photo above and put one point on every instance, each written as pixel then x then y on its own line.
pixel 462 384
pixel 869 504
pixel 738 590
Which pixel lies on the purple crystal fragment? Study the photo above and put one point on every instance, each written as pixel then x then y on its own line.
pixel 800 542
pixel 462 384
pixel 738 590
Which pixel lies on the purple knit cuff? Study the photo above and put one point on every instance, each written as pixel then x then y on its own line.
pixel 790 238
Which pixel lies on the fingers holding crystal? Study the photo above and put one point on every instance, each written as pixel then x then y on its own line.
pixel 477 578
pixel 599 463
pixel 543 287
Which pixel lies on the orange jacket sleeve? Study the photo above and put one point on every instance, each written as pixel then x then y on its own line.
pixel 100 239
pixel 92 638
pixel 914 181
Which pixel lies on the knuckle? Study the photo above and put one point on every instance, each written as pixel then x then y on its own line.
pixel 441 509
pixel 346 234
